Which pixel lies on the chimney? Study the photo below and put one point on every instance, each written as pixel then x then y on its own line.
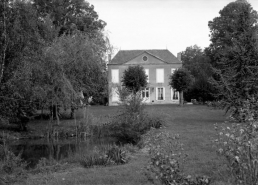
pixel 109 58
pixel 179 56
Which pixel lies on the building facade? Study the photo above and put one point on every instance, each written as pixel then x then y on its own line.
pixel 158 66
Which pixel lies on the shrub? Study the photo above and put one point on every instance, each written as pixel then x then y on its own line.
pixel 117 155
pixel 46 166
pixel 238 145
pixel 12 167
pixel 108 155
pixel 166 160
pixel 133 121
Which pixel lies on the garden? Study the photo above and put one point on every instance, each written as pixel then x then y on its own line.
pixel 193 123
pixel 55 64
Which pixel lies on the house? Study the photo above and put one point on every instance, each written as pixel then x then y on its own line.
pixel 158 65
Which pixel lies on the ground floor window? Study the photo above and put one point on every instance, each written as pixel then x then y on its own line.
pixel 160 93
pixel 115 96
pixel 174 94
pixel 146 93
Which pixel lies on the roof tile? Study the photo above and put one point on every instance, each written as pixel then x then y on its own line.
pixel 124 56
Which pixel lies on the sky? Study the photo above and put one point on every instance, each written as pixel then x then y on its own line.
pixel 159 24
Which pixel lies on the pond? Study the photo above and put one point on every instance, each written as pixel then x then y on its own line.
pixel 33 150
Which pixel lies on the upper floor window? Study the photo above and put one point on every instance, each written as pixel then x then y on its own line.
pixel 147 73
pixel 160 75
pixel 115 76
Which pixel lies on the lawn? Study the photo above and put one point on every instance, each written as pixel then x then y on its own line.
pixel 194 123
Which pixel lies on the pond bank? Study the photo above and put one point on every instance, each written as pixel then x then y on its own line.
pixel 130 173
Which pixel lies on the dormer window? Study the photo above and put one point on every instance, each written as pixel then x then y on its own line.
pixel 144 58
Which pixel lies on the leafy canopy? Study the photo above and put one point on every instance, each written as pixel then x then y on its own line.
pixel 134 78
pixel 198 64
pixel 180 80
pixel 49 51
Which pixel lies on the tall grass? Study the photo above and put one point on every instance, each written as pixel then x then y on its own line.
pixel 102 155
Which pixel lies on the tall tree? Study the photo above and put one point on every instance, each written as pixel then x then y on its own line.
pixel 234 55
pixel 20 44
pixel 38 64
pixel 71 15
pixel 198 64
pixel 181 80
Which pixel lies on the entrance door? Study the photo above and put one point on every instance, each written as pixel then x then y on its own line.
pixel 146 95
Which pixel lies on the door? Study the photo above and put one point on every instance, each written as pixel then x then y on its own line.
pixel 146 95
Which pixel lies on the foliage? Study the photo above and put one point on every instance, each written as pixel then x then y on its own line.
pixel 198 64
pixel 234 55
pixel 133 121
pixel 181 80
pixel 46 166
pixel 123 93
pixel 71 15
pixel 19 46
pixel 109 155
pixel 166 160
pixel 50 51
pixel 237 144
pixel 12 167
pixel 134 78
pixel 74 68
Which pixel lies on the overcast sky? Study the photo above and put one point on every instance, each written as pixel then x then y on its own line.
pixel 159 24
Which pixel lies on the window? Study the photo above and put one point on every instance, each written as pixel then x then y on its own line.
pixel 174 94
pixel 144 58
pixel 146 93
pixel 115 96
pixel 147 73
pixel 173 70
pixel 160 75
pixel 115 75
pixel 160 93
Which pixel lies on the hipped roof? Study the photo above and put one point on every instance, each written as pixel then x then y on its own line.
pixel 124 56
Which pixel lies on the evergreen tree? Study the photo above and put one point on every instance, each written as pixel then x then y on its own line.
pixel 234 54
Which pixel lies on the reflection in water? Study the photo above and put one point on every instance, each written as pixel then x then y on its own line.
pixel 33 150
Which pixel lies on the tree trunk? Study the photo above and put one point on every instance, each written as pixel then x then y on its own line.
pixel 57 112
pixel 4 45
pixel 181 98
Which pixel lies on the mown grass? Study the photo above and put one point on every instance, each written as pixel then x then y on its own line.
pixel 194 123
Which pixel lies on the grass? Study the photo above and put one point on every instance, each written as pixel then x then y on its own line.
pixel 194 123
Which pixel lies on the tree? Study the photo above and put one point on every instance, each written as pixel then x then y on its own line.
pixel 198 64
pixel 134 78
pixel 180 80
pixel 19 46
pixel 39 64
pixel 71 15
pixel 234 55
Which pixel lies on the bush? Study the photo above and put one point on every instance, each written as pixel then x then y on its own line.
pixel 133 121
pixel 166 160
pixel 238 145
pixel 108 155
pixel 12 167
